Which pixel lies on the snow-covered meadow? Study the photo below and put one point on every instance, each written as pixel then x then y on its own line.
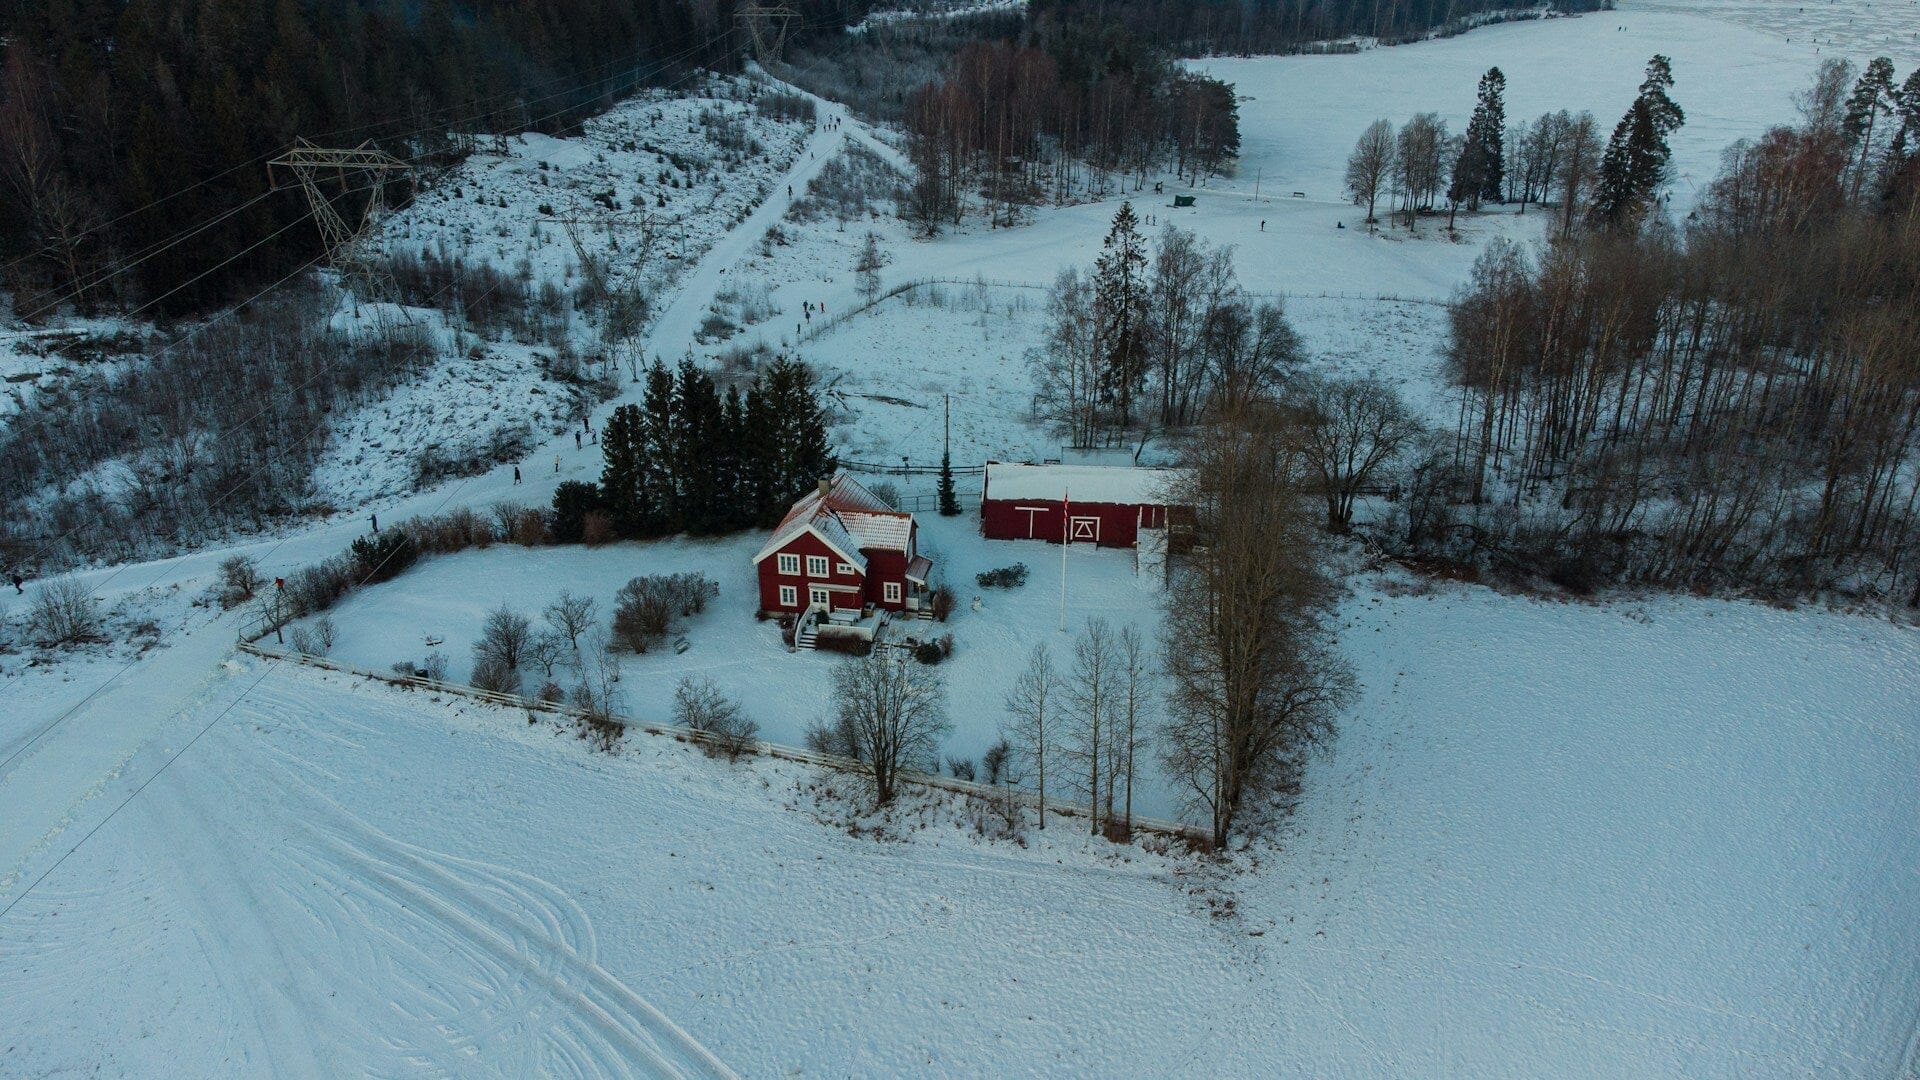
pixel 1670 838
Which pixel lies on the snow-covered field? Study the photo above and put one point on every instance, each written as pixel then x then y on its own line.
pixel 1666 839
pixel 1661 837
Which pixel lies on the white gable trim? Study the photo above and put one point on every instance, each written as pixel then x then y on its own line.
pixel 858 562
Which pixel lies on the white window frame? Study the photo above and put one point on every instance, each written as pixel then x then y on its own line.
pixel 789 596
pixel 816 566
pixel 789 565
pixel 843 568
pixel 893 592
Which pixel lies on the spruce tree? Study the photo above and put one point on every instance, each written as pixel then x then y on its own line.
pixel 1486 139
pixel 1634 166
pixel 621 474
pixel 659 487
pixel 736 509
pixel 1120 302
pixel 802 456
pixel 700 450
pixel 949 502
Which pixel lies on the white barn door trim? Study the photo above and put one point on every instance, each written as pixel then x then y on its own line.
pixel 1084 528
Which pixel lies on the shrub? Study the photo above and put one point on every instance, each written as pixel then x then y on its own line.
pixel 239 577
pixel 435 666
pixel 961 768
pixel 645 608
pixel 596 528
pixel 573 500
pixel 495 677
pixel 552 693
pixel 383 556
pixel 64 611
pixel 530 529
pixel 993 763
pixel 1006 577
pixel 934 651
pixel 835 640
pixel 942 603
pixel 698 704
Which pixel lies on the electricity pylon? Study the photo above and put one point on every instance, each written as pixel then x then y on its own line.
pixel 346 245
pixel 766 26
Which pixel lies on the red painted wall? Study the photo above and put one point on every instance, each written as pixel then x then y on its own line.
pixel 1001 519
pixel 882 567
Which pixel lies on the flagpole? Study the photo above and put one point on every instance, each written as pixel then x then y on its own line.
pixel 1066 534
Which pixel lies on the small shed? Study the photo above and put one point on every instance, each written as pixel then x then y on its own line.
pixel 1098 504
pixel 1182 201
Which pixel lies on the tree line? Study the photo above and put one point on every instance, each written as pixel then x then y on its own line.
pixel 123 124
pixel 1208 27
pixel 1012 124
pixel 1728 401
pixel 690 458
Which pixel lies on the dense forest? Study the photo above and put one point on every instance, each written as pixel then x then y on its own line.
pixel 124 123
pixel 1202 27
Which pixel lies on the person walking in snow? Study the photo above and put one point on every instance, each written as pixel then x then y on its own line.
pixel 1263 224
pixel 516 474
pixel 19 584
pixel 576 440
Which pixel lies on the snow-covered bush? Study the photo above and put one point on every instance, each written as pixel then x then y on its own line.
pixel 64 611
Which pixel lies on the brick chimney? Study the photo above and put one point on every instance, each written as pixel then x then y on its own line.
pixel 826 485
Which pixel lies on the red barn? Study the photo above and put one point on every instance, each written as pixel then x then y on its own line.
pixel 1098 504
pixel 841 549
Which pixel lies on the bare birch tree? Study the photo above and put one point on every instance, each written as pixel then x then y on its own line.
pixel 1089 698
pixel 1031 706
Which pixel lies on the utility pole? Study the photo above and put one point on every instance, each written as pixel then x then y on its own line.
pixel 766 27
pixel 346 247
pixel 946 444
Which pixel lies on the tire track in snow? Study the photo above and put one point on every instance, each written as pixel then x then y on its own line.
pixel 531 939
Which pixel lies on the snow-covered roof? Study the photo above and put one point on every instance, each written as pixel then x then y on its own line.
pixel 1081 483
pixel 849 518
pixel 889 531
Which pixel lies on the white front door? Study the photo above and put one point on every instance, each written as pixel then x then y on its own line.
pixel 819 598
pixel 1085 528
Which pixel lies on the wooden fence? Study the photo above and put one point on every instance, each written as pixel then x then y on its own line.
pixel 781 751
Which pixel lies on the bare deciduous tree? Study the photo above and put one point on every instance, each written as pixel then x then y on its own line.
pixel 1369 166
pixel 547 649
pixel 503 639
pixel 1252 679
pixel 571 615
pixel 895 713
pixel 1348 429
pixel 1089 693
pixel 1031 708
pixel 700 705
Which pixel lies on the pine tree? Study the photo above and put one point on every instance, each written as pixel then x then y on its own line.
pixel 949 502
pixel 1873 97
pixel 868 265
pixel 1120 300
pixel 729 463
pixel 1486 139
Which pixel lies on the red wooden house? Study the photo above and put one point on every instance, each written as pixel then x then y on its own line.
pixel 841 549
pixel 1098 504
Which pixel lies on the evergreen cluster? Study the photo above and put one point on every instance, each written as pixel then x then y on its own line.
pixel 1634 166
pixel 692 459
